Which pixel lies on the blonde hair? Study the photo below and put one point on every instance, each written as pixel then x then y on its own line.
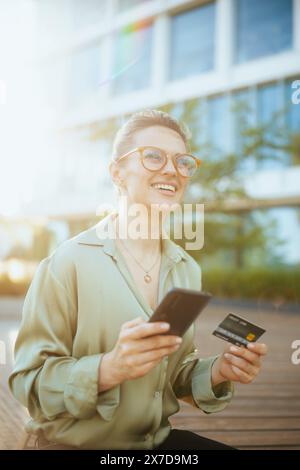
pixel 141 120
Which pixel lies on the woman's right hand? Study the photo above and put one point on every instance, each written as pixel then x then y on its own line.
pixel 139 348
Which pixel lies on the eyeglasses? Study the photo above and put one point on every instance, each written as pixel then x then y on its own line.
pixel 154 159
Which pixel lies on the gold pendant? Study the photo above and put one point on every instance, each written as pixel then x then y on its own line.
pixel 147 278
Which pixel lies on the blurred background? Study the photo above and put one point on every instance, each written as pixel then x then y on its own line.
pixel 71 72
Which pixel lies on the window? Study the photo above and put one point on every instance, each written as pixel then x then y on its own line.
pixel 270 113
pixel 259 124
pixel 86 13
pixel 52 21
pixel 192 41
pixel 219 134
pixel 243 117
pixel 52 83
pixel 132 67
pixel 263 28
pixel 127 4
pixel 85 72
pixel 288 230
pixel 293 109
pixel 293 120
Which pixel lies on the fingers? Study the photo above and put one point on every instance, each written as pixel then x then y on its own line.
pixel 258 348
pixel 149 344
pixel 145 368
pixel 243 376
pixel 139 337
pixel 253 353
pixel 245 368
pixel 244 353
pixel 146 329
pixel 134 322
pixel 157 342
pixel 150 356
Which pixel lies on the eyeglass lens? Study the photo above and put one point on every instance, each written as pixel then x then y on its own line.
pixel 154 159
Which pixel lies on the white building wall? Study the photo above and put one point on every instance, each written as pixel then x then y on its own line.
pixel 226 77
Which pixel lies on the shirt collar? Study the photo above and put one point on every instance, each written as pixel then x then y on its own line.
pixel 102 234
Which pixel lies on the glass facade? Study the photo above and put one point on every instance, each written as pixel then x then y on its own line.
pixel 86 13
pixel 192 41
pixel 132 67
pixel 254 123
pixel 288 231
pixel 271 117
pixel 262 28
pixel 85 73
pixel 219 125
pixel 293 109
pixel 124 5
pixel 243 117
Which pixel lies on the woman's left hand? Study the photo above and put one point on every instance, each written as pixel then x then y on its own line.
pixel 238 364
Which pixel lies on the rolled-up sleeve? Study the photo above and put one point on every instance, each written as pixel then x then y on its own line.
pixel 46 378
pixel 193 382
pixel 210 399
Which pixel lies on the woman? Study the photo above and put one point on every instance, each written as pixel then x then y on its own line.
pixel 93 373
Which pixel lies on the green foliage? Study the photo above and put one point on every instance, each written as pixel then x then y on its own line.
pixel 235 238
pixel 277 285
pixel 220 180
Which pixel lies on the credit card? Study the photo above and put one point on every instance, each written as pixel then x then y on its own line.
pixel 238 331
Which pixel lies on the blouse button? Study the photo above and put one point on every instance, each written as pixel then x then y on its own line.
pixel 157 394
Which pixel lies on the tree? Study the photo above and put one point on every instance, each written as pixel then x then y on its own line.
pixel 230 237
pixel 237 235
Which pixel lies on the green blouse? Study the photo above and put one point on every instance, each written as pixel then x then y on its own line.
pixel 73 312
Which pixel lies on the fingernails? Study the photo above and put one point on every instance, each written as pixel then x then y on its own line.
pixel 178 340
pixel 250 345
pixel 233 349
pixel 164 326
pixel 228 356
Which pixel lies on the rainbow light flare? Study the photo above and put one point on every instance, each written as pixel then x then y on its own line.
pixel 130 48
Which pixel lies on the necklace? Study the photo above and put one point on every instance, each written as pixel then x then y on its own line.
pixel 147 277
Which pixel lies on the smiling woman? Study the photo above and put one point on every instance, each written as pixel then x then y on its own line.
pixel 90 368
pixel 152 178
pixel 149 138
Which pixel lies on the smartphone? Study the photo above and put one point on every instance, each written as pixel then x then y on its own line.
pixel 180 308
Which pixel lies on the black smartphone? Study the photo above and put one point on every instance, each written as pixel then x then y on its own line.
pixel 180 308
